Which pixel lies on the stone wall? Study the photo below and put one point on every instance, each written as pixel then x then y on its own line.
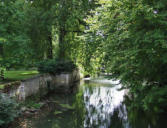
pixel 42 84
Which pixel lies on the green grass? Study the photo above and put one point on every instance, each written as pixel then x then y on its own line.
pixel 19 75
pixel 2 86
pixel 16 76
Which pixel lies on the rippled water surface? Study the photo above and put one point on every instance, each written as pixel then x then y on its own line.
pixel 97 103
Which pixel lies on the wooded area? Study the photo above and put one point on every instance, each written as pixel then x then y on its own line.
pixel 126 38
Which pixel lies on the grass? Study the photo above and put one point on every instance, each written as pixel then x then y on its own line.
pixel 19 75
pixel 2 86
pixel 16 76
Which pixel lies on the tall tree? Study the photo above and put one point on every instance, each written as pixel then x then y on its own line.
pixel 133 42
pixel 13 37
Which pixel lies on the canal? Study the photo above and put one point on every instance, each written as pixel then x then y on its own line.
pixel 95 103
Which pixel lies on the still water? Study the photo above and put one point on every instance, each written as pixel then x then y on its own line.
pixel 97 103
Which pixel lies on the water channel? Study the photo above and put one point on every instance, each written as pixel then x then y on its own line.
pixel 97 103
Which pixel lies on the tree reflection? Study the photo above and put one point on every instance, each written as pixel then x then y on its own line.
pixel 96 105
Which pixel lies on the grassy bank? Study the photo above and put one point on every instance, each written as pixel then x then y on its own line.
pixel 17 76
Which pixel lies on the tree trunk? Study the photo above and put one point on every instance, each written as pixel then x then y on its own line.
pixel 1 49
pixel 50 47
pixel 62 30
pixel 62 44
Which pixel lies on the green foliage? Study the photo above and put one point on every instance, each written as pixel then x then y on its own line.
pixel 156 99
pixel 125 37
pixel 148 98
pixel 14 40
pixel 32 30
pixel 56 66
pixel 8 109
pixel 128 39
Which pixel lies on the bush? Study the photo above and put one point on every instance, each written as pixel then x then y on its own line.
pixel 8 109
pixel 56 66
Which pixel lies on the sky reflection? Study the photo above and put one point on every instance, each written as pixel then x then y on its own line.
pixel 101 102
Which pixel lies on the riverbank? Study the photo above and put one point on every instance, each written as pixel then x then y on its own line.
pixel 40 85
pixel 28 93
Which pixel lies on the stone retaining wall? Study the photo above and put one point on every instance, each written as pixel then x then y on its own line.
pixel 42 84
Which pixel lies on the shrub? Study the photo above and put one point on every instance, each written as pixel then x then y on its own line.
pixel 56 66
pixel 8 109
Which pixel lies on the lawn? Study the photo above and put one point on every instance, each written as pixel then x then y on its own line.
pixel 16 76
pixel 19 75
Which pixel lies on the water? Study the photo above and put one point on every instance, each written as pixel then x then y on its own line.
pixel 97 103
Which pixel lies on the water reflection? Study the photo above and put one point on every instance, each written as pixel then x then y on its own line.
pixel 101 102
pixel 98 103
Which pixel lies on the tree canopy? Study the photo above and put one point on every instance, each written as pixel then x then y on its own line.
pixel 126 38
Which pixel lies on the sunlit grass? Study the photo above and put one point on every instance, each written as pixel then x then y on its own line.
pixel 2 86
pixel 16 76
pixel 19 75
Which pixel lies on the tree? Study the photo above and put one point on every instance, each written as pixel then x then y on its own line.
pixel 132 45
pixel 13 38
